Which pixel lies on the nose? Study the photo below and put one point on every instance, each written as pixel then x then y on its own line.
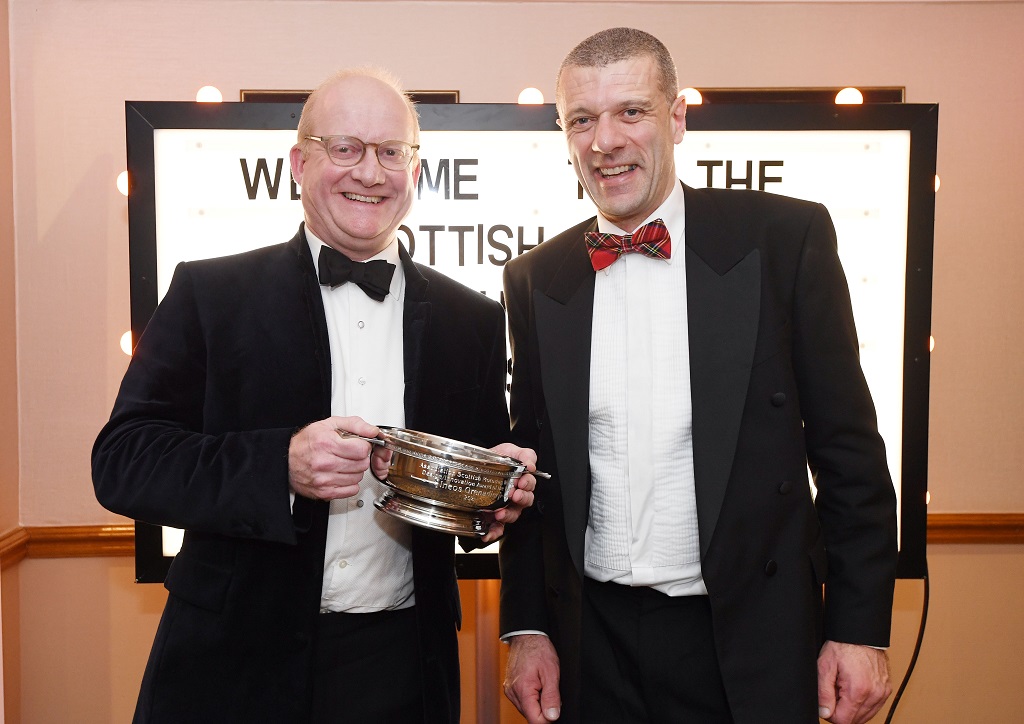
pixel 607 135
pixel 368 171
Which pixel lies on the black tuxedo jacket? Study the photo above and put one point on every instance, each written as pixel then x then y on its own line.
pixel 776 385
pixel 234 360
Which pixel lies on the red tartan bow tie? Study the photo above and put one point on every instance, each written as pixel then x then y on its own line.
pixel 651 240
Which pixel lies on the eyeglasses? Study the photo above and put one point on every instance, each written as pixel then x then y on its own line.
pixel 349 150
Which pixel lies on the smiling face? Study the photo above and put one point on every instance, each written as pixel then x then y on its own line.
pixel 356 209
pixel 622 130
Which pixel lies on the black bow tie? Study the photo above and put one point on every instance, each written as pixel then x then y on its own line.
pixel 373 277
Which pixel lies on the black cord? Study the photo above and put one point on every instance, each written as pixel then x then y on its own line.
pixel 917 649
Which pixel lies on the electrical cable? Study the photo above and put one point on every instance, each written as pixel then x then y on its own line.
pixel 917 648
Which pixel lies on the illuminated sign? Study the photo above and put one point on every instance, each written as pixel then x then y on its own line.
pixel 495 182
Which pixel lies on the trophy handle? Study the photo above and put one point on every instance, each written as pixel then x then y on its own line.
pixel 372 441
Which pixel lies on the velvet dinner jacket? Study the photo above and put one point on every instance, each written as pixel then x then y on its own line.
pixel 776 386
pixel 233 361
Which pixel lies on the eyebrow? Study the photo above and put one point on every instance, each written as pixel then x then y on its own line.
pixel 634 102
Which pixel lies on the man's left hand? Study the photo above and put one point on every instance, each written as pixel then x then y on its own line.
pixel 853 682
pixel 522 494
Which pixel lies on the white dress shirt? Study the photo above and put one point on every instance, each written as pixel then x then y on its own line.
pixel 642 529
pixel 368 561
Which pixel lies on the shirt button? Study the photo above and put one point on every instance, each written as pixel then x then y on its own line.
pixel 360 503
pixel 361 324
pixel 342 564
pixel 362 380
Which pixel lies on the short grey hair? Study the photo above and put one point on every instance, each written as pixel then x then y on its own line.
pixel 615 44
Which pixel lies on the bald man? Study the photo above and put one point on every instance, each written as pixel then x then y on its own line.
pixel 293 599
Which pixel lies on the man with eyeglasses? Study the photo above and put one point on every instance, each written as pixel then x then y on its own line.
pixel 293 599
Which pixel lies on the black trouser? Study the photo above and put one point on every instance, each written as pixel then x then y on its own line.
pixel 367 668
pixel 648 657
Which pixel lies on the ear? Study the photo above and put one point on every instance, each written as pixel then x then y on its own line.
pixel 297 162
pixel 678 116
pixel 416 171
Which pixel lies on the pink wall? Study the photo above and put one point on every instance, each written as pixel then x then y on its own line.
pixel 8 322
pixel 72 65
pixel 8 319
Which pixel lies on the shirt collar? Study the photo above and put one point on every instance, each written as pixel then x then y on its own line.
pixel 672 211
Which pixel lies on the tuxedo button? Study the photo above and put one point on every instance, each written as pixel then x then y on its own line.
pixel 770 568
pixel 779 399
pixel 360 503
pixel 785 487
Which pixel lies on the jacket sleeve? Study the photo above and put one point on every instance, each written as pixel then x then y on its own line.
pixel 521 555
pixel 855 499
pixel 155 461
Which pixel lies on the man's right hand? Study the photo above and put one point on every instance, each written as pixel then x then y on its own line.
pixel 323 465
pixel 531 679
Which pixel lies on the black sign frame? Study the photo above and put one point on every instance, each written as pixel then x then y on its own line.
pixel 143 118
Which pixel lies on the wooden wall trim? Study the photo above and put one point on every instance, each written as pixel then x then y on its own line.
pixel 66 541
pixel 13 547
pixel 90 541
pixel 991 528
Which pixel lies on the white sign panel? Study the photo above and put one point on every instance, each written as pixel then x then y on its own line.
pixel 485 197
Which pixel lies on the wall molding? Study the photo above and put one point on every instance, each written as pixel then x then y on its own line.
pixel 94 541
pixel 989 528
pixel 66 541
pixel 13 547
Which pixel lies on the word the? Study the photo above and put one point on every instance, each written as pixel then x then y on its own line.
pixel 746 181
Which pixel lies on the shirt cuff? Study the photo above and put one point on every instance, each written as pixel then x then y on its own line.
pixel 511 634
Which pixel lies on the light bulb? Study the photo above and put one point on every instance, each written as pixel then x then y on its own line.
pixel 209 94
pixel 849 97
pixel 692 95
pixel 530 97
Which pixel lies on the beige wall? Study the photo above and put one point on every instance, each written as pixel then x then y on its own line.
pixel 73 64
pixel 83 654
pixel 8 319
pixel 8 364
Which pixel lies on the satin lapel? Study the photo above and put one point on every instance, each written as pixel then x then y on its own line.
pixel 415 318
pixel 564 316
pixel 723 277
